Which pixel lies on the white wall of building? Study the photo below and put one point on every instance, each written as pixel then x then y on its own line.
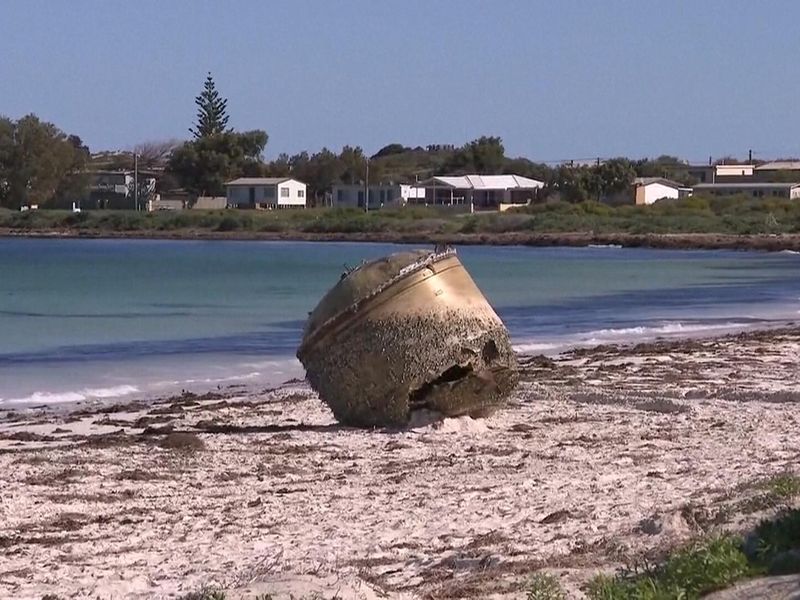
pixel 656 191
pixel 734 170
pixel 289 193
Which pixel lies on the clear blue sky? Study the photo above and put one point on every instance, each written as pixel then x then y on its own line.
pixel 558 79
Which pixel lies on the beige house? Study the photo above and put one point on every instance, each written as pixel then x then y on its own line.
pixel 721 173
pixel 266 192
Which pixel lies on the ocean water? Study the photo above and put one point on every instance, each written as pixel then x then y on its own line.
pixel 107 319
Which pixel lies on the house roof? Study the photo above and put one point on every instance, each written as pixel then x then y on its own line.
pixel 661 180
pixel 744 186
pixel 780 165
pixel 260 180
pixel 486 182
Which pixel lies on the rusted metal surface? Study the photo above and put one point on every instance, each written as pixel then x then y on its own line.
pixel 406 333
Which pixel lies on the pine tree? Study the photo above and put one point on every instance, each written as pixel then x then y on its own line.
pixel 212 114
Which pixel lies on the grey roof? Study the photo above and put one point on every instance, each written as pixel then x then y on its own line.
pixel 780 165
pixel 486 182
pixel 260 180
pixel 661 180
pixel 745 186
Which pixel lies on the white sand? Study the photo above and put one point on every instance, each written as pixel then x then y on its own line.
pixel 601 456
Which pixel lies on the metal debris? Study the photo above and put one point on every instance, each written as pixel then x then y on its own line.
pixel 406 334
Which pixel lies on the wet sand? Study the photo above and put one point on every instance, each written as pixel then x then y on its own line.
pixel 606 455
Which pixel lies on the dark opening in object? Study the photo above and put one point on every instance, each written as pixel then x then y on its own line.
pixel 490 352
pixel 417 397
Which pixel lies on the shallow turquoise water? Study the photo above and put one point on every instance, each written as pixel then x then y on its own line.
pixel 106 318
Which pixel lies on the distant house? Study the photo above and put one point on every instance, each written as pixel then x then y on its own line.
pixel 754 189
pixel 647 190
pixel 482 191
pixel 779 170
pixel 391 194
pixel 721 173
pixel 115 189
pixel 266 192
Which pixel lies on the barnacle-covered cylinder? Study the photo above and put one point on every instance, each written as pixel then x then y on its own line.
pixel 405 333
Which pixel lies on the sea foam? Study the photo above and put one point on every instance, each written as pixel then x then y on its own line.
pixel 73 395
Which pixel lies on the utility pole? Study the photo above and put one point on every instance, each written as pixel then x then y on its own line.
pixel 750 156
pixel 598 179
pixel 366 186
pixel 136 180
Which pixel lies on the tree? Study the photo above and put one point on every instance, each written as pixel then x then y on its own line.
pixel 154 154
pixel 202 166
pixel 354 163
pixel 6 158
pixel 485 156
pixel 614 176
pixel 212 116
pixel 39 163
pixel 389 150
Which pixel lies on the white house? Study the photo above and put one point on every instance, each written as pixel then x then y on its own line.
pixel 266 192
pixel 647 190
pixel 390 194
pixel 482 191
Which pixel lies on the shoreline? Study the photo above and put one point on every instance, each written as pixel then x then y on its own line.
pixel 604 454
pixel 672 241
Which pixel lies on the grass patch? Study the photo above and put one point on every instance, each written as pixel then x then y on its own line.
pixel 730 215
pixel 709 564
pixel 784 486
pixel 544 586
pixel 774 492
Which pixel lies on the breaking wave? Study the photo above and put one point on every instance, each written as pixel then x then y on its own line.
pixel 628 334
pixel 73 396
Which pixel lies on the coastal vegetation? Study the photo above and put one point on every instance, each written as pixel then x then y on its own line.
pixel 709 564
pixel 732 215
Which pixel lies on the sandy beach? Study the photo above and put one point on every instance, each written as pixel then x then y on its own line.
pixel 604 456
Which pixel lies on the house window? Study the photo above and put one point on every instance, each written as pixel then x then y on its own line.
pixel 284 192
pixel 301 193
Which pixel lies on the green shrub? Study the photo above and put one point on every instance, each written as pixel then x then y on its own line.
pixel 543 586
pixel 228 223
pixel 713 563
pixel 689 573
